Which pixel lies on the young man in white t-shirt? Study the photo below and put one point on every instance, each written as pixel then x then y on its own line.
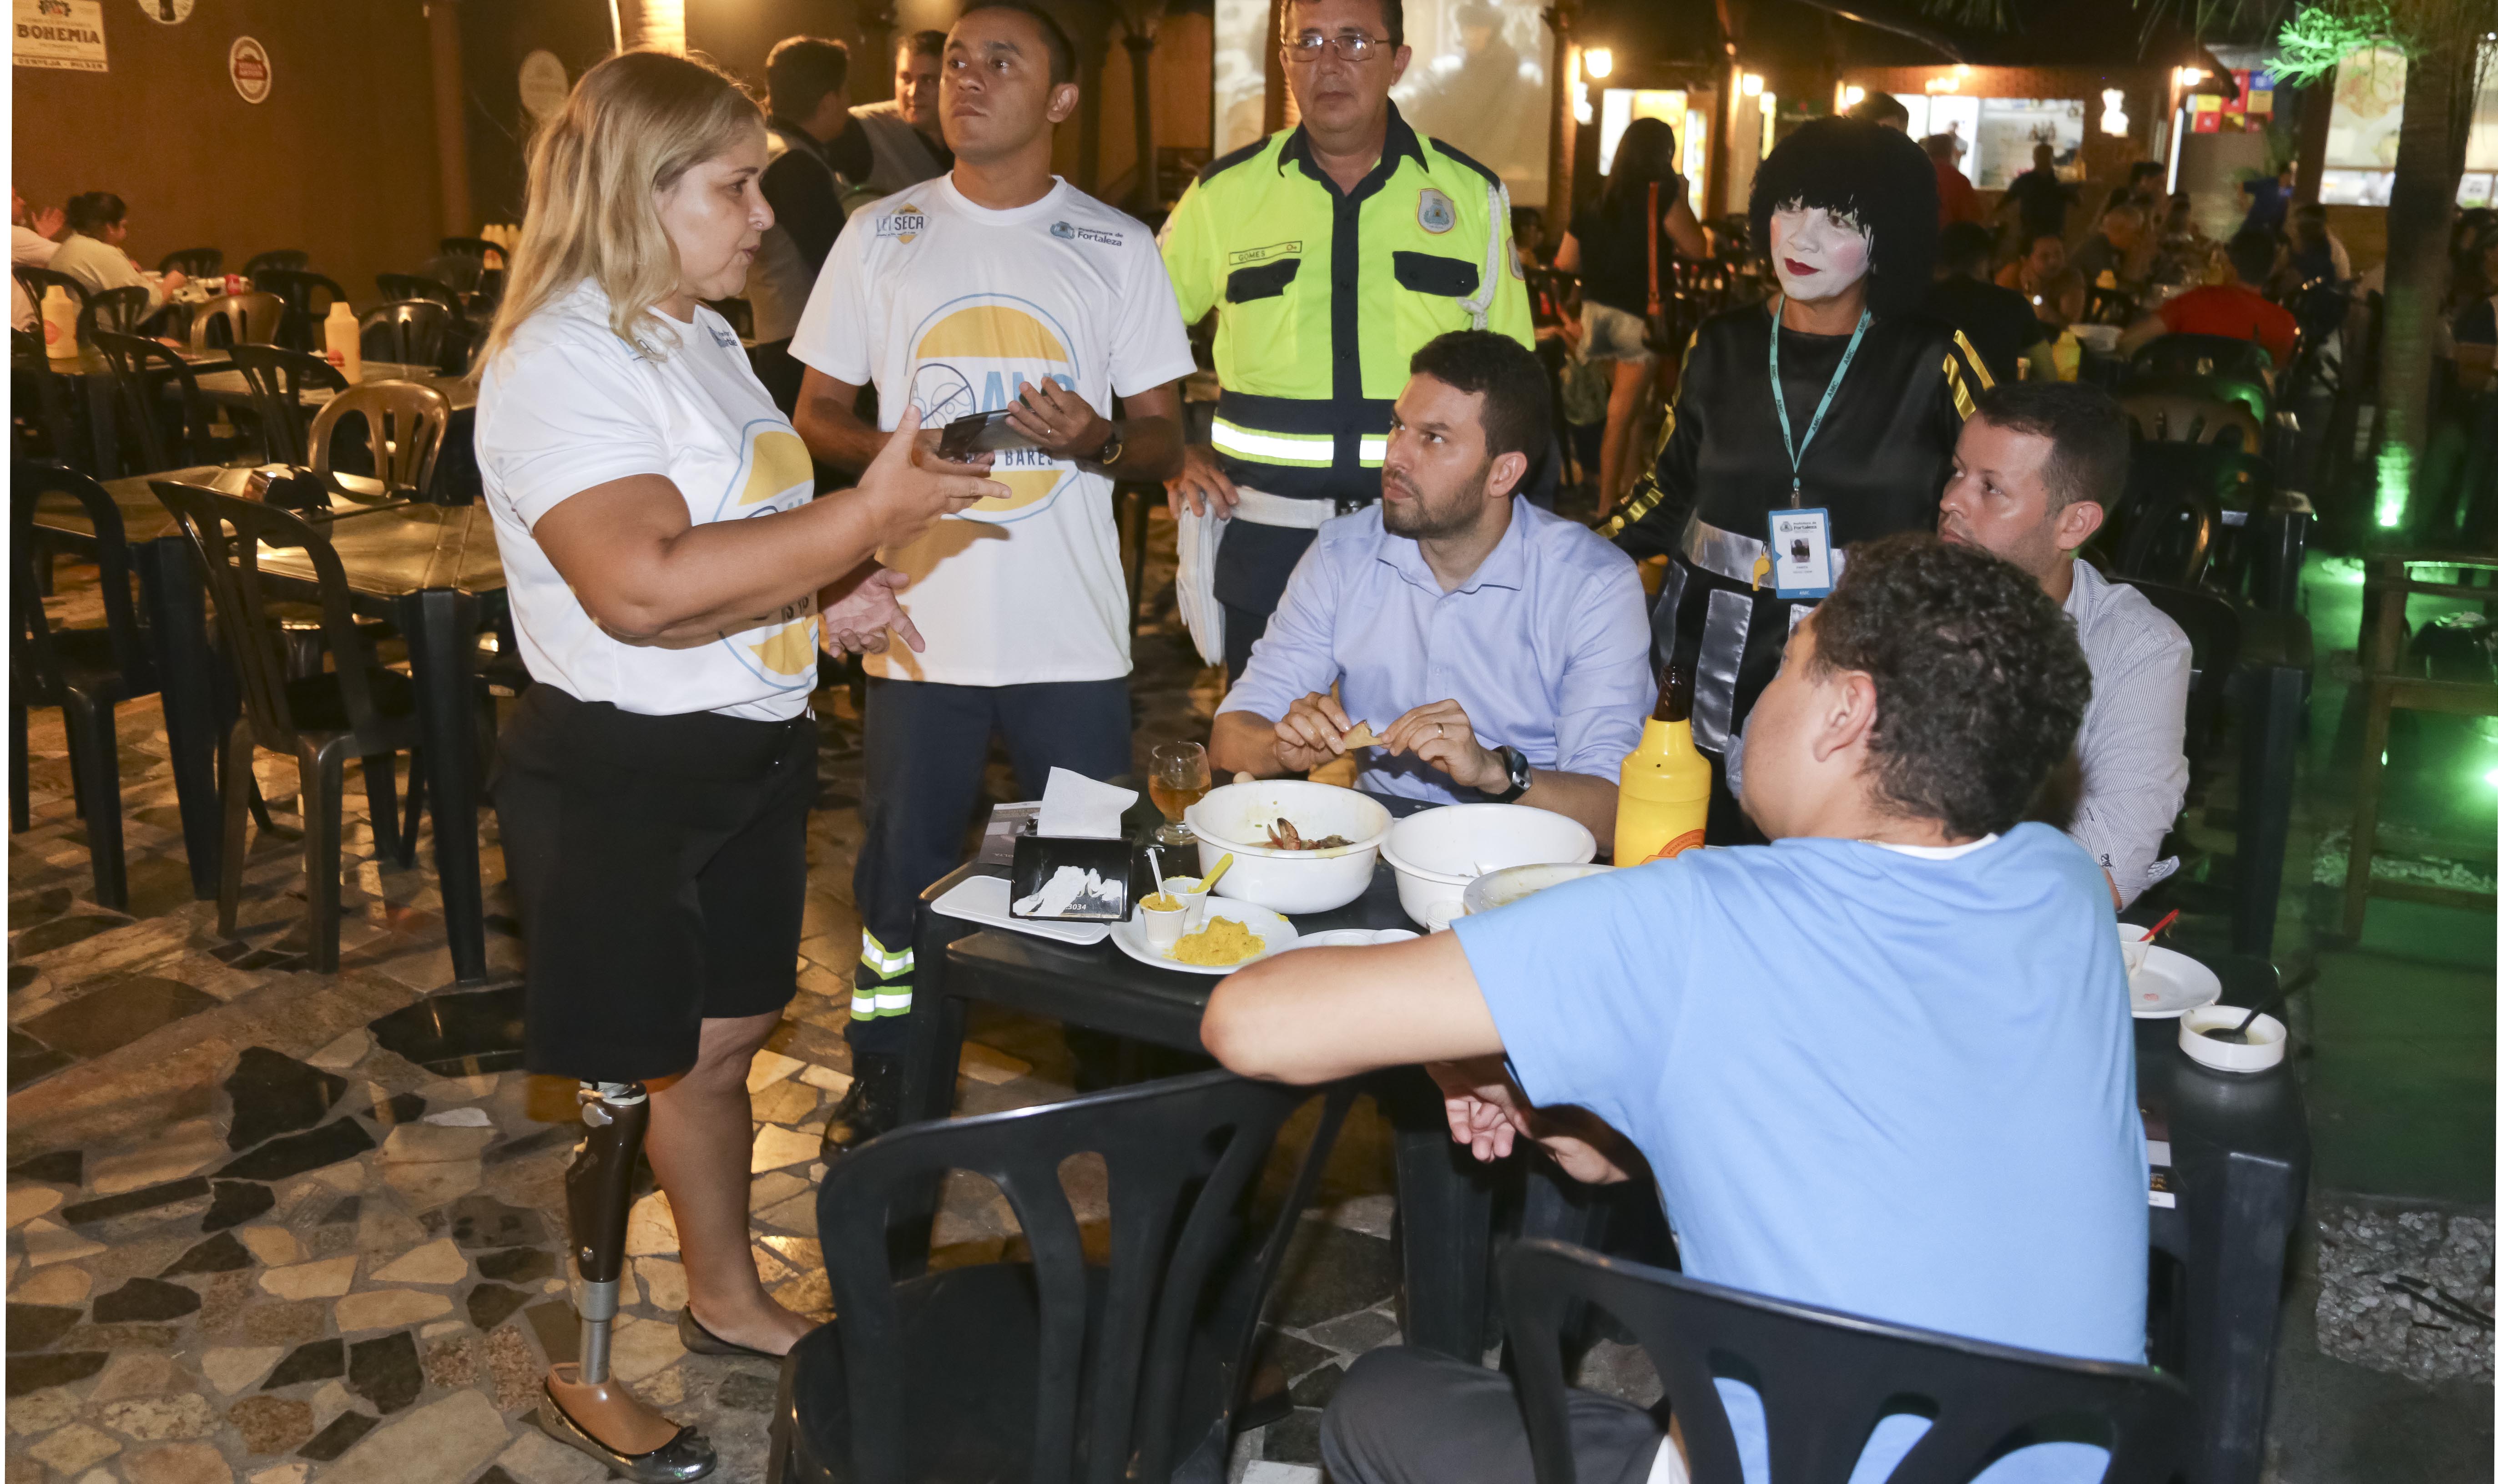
pixel 997 286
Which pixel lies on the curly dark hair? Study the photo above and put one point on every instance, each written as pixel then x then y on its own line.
pixel 1978 678
pixel 1876 174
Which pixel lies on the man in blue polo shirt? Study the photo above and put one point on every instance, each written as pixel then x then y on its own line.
pixel 1882 1065
pixel 1494 651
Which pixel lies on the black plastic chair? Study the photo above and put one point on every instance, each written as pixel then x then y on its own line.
pixel 1825 1379
pixel 87 672
pixel 1052 1369
pixel 278 378
pixel 2192 415
pixel 357 708
pixel 484 253
pixel 43 414
pixel 175 423
pixel 409 332
pixel 290 259
pixel 307 297
pixel 2202 355
pixel 120 310
pixel 35 280
pixel 398 287
pixel 194 261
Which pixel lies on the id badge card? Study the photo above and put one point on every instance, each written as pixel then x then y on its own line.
pixel 1800 563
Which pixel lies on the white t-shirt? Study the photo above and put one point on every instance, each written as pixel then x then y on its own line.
pixel 950 307
pixel 568 406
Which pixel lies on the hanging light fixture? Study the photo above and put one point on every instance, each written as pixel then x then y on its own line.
pixel 1600 62
pixel 2112 119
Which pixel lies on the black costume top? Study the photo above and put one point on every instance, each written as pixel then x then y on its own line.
pixel 1877 465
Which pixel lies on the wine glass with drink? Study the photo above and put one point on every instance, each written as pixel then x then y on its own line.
pixel 1181 776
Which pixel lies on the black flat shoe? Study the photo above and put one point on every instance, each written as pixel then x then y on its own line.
pixel 684 1457
pixel 702 1341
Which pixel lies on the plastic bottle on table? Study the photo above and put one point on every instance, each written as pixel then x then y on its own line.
pixel 343 342
pixel 60 324
pixel 1663 807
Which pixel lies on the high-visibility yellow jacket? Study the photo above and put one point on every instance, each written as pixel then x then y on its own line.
pixel 1323 296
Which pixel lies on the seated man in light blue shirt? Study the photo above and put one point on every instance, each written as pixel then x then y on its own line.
pixel 1884 1065
pixel 1496 652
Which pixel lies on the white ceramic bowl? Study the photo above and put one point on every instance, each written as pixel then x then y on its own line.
pixel 2267 1039
pixel 1438 852
pixel 1232 821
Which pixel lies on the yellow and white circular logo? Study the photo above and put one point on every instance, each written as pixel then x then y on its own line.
pixel 971 355
pixel 775 474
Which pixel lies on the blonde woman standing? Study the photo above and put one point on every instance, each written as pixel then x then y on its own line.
pixel 671 576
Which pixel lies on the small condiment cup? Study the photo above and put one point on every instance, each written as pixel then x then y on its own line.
pixel 1163 925
pixel 1191 893
pixel 2133 940
pixel 1437 916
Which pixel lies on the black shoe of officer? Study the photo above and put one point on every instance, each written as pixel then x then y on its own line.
pixel 872 1106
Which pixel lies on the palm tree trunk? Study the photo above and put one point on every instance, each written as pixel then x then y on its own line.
pixel 2416 217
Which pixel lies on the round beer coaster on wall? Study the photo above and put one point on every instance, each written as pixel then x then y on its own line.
pixel 248 63
pixel 543 84
pixel 166 13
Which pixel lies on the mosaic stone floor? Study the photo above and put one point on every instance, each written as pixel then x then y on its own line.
pixel 271 1225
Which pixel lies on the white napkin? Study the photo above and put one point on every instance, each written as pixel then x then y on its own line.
pixel 1200 537
pixel 1073 807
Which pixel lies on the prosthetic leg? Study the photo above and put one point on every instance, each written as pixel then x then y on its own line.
pixel 588 1408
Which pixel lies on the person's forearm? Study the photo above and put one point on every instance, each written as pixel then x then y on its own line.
pixel 830 425
pixel 1150 449
pixel 1587 799
pixel 1319 1014
pixel 728 576
pixel 1243 742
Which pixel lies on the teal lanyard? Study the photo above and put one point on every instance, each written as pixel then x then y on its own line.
pixel 1779 390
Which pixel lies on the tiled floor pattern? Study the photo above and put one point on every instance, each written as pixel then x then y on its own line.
pixel 277 1226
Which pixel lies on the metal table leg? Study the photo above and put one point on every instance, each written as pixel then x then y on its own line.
pixel 177 615
pixel 2239 1213
pixel 441 630
pixel 1444 1215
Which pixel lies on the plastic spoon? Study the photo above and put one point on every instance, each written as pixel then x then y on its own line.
pixel 1207 886
pixel 2236 1035
pixel 1154 859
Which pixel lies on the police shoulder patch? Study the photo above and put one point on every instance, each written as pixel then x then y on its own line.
pixel 1435 211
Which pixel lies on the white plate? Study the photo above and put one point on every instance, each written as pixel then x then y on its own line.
pixel 1129 936
pixel 1354 937
pixel 984 899
pixel 2170 983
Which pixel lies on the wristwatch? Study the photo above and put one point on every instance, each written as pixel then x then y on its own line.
pixel 1111 448
pixel 1520 775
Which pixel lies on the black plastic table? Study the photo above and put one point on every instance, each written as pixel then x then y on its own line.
pixel 432 572
pixel 2239 1145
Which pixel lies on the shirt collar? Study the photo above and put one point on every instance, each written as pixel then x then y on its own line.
pixel 1503 566
pixel 1402 141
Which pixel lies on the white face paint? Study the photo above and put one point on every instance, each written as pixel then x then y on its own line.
pixel 1817 255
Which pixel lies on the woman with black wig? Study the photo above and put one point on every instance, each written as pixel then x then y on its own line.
pixel 1851 409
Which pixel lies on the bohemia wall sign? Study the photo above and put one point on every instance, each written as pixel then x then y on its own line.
pixel 63 34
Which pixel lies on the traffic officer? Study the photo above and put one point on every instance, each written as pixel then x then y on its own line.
pixel 1330 254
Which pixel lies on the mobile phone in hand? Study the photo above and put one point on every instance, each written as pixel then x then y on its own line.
pixel 980 432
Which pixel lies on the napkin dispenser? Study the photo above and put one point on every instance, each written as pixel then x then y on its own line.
pixel 1101 883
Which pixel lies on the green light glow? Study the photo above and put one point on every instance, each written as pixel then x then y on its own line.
pixel 2316 38
pixel 2393 485
pixel 2490 778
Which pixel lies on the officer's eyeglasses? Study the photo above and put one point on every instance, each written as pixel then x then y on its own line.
pixel 1352 46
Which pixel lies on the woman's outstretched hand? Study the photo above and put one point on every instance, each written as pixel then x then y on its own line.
pixel 910 489
pixel 857 611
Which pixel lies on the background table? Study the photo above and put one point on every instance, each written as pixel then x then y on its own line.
pixel 2239 1145
pixel 432 572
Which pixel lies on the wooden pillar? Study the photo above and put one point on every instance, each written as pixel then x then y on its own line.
pixel 1561 131
pixel 1145 197
pixel 875 41
pixel 450 117
pixel 1280 112
pixel 2314 118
